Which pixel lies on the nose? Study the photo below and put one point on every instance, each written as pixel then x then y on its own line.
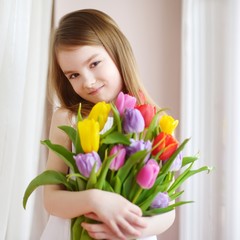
pixel 88 80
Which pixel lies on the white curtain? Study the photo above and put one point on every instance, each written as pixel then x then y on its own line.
pixel 24 41
pixel 210 115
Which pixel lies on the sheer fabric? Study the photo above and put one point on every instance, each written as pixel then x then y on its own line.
pixel 24 38
pixel 210 116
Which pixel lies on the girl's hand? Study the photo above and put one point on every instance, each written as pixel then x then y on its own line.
pixel 101 230
pixel 121 217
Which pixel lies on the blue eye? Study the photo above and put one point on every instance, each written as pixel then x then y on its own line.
pixel 94 64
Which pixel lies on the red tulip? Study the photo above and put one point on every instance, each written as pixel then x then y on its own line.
pixel 148 111
pixel 165 143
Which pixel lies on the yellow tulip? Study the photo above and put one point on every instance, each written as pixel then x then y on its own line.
pixel 168 124
pixel 89 135
pixel 100 112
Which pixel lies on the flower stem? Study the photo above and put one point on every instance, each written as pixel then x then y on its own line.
pixel 137 195
pixel 112 176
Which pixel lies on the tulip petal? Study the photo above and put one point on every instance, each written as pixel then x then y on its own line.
pixel 147 175
pixel 89 135
pixel 125 101
pixel 100 113
pixel 168 124
pixel 133 121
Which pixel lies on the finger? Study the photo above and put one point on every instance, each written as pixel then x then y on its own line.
pixel 116 230
pixel 128 228
pixel 111 224
pixel 98 235
pixel 136 210
pixel 136 220
pixel 95 227
pixel 98 231
pixel 103 236
pixel 92 216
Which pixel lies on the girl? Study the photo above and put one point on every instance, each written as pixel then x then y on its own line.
pixel 92 61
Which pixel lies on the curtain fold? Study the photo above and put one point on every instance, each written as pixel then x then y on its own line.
pixel 210 115
pixel 24 42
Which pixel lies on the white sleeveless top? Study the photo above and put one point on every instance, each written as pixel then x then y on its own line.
pixel 59 228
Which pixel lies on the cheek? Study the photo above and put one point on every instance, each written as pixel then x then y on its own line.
pixel 76 86
pixel 110 70
pixel 114 77
pixel 119 84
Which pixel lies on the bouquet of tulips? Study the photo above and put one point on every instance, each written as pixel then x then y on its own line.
pixel 137 157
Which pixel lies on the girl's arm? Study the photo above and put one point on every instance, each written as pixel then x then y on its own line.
pixel 158 224
pixel 112 209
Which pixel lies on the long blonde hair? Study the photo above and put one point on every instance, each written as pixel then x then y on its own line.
pixel 91 27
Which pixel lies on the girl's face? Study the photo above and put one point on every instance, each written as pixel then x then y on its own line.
pixel 91 72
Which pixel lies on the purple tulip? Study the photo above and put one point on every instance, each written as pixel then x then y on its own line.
pixel 133 121
pixel 138 145
pixel 177 163
pixel 119 160
pixel 147 175
pixel 161 200
pixel 85 162
pixel 124 101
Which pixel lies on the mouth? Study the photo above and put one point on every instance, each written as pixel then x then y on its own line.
pixel 95 90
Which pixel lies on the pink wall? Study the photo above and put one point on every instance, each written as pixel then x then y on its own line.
pixel 153 28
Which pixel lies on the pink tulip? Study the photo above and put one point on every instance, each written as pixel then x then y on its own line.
pixel 124 101
pixel 119 160
pixel 147 175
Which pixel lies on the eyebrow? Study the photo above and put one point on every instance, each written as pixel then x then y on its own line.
pixel 85 62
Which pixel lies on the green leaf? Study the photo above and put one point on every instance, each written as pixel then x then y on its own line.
pixel 103 171
pixel 164 210
pixel 183 177
pixel 153 125
pixel 78 146
pixel 148 196
pixel 117 185
pixel 189 159
pixel 76 229
pixel 63 153
pixel 117 118
pixel 81 184
pixel 79 115
pixel 92 178
pixel 77 141
pixel 107 187
pixel 46 178
pixel 112 129
pixel 179 179
pixel 169 162
pixel 175 195
pixel 135 191
pixel 130 163
pixel 70 131
pixel 74 137
pixel 116 138
pixel 127 185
